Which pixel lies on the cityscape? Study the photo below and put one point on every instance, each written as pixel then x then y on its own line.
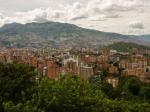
pixel 85 62
pixel 74 56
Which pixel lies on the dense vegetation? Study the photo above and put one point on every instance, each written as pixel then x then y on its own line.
pixel 21 92
pixel 126 47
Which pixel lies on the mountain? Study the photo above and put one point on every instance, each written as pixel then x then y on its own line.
pixel 53 34
pixel 145 38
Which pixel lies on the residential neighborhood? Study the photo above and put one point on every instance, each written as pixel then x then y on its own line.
pixel 83 62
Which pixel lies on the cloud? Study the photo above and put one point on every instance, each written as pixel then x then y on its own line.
pixel 36 15
pixel 93 10
pixel 1 16
pixel 97 18
pixel 136 25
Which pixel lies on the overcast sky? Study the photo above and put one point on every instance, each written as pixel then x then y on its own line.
pixel 121 16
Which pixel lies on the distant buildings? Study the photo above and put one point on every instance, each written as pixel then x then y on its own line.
pixel 83 62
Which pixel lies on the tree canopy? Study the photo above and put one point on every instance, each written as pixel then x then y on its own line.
pixel 21 92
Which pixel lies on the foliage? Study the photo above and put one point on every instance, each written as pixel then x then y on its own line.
pixel 26 107
pixel 126 47
pixel 20 92
pixel 145 92
pixel 16 82
pixel 68 94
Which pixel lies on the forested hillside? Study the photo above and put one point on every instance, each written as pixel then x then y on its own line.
pixel 123 46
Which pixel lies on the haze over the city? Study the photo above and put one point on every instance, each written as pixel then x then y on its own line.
pixel 120 16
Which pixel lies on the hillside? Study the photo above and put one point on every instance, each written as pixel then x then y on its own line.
pixel 52 34
pixel 123 46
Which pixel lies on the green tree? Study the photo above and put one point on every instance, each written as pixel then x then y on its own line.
pixel 68 94
pixel 108 89
pixel 20 107
pixel 129 85
pixel 16 82
pixel 133 86
pixel 145 93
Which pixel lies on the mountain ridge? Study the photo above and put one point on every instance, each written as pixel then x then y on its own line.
pixel 12 24
pixel 56 33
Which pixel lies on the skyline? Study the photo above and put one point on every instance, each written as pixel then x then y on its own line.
pixel 119 16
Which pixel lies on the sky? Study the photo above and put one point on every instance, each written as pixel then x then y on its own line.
pixel 119 16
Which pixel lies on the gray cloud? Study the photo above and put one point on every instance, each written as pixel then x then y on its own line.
pixel 136 25
pixel 1 16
